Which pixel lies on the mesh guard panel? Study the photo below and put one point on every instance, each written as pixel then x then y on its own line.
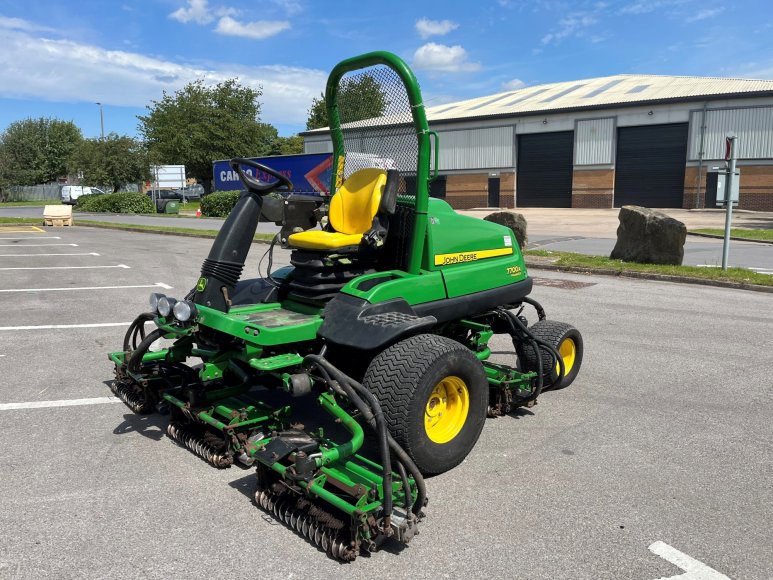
pixel 377 125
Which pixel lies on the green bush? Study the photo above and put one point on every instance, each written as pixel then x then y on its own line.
pixel 219 203
pixel 121 202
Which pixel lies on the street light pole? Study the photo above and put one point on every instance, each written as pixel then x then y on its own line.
pixel 101 121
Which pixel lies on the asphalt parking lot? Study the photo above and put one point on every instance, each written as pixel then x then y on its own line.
pixel 664 440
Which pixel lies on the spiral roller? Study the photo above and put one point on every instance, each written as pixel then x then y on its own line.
pixel 133 396
pixel 199 445
pixel 315 524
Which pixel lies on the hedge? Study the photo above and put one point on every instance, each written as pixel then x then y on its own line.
pixel 219 203
pixel 121 202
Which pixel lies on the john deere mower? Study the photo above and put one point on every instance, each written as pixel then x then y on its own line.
pixel 382 321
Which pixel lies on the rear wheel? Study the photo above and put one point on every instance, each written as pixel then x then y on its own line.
pixel 434 394
pixel 567 340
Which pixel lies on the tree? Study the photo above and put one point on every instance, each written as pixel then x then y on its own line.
pixel 287 145
pixel 360 98
pixel 37 150
pixel 116 161
pixel 199 124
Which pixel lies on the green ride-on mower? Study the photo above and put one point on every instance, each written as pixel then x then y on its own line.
pixel 383 320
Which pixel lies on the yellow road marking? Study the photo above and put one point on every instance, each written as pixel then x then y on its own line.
pixel 17 229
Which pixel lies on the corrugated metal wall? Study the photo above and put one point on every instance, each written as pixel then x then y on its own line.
pixel 487 148
pixel 594 142
pixel 317 145
pixel 752 125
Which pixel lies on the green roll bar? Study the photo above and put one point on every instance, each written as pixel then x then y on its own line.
pixel 420 124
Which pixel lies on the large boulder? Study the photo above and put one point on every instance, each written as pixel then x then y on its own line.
pixel 647 236
pixel 513 220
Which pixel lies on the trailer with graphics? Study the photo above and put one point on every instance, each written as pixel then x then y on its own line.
pixel 310 173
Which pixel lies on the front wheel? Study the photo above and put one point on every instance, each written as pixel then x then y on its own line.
pixel 434 394
pixel 567 340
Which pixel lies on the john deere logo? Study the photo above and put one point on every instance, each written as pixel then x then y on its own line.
pixel 202 283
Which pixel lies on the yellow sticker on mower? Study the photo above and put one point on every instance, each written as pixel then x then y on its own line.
pixel 462 257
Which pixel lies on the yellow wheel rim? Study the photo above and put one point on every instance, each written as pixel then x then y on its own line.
pixel 447 409
pixel 568 351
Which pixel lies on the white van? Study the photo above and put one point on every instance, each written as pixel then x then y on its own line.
pixel 71 193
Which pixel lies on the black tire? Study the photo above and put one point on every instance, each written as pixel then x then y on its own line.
pixel 408 379
pixel 559 335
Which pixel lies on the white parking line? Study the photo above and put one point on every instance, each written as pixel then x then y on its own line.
pixel 65 326
pixel 62 403
pixel 33 245
pixel 35 238
pixel 694 569
pixel 32 255
pixel 156 285
pixel 68 267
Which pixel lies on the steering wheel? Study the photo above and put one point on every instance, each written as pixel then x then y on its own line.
pixel 255 185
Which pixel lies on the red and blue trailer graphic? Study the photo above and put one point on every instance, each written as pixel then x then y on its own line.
pixel 309 172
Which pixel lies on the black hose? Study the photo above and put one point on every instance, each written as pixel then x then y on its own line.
pixel 537 306
pixel 137 326
pixel 136 358
pixel 399 452
pixel 535 343
pixel 406 484
pixel 381 428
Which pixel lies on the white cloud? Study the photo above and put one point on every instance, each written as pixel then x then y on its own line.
pixel 513 85
pixel 706 13
pixel 19 24
pixel 291 7
pixel 197 11
pixel 257 30
pixel 32 67
pixel 440 57
pixel 427 28
pixel 647 6
pixel 572 25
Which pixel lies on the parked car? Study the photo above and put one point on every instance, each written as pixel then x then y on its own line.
pixel 166 194
pixel 69 194
pixel 191 192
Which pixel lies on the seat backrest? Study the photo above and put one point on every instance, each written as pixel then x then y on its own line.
pixel 357 201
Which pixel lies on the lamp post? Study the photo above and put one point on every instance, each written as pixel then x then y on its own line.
pixel 102 131
pixel 101 121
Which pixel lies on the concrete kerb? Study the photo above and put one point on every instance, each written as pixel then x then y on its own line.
pixel 735 239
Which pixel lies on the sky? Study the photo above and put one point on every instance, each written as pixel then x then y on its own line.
pixel 59 58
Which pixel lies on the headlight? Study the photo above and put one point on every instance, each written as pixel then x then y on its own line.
pixel 154 298
pixel 184 310
pixel 165 305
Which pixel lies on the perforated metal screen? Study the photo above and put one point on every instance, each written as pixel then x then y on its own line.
pixel 376 123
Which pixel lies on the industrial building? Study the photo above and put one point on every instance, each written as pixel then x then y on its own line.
pixel 648 140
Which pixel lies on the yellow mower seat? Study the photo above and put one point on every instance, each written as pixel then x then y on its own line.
pixel 351 213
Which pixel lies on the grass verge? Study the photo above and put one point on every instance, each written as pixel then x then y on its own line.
pixel 32 203
pixel 25 221
pixel 739 233
pixel 572 260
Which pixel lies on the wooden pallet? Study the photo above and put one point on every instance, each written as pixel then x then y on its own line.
pixel 57 215
pixel 57 222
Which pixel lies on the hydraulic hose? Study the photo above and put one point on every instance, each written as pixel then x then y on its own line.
pixel 400 454
pixel 381 430
pixel 515 325
pixel 537 306
pixel 135 328
pixel 136 358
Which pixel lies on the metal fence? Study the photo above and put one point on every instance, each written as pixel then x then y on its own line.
pixel 31 192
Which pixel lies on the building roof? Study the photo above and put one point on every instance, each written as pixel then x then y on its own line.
pixel 597 93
